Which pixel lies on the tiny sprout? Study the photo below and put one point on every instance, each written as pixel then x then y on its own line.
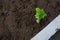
pixel 40 14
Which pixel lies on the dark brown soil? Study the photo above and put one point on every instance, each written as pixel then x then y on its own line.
pixel 17 21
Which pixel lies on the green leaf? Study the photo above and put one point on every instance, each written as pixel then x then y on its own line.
pixel 40 14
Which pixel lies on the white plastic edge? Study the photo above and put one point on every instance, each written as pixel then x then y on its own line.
pixel 49 30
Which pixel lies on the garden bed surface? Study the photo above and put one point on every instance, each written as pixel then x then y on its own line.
pixel 17 21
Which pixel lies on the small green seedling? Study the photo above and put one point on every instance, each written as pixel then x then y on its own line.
pixel 40 14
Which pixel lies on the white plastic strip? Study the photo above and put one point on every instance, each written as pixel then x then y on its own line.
pixel 49 30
